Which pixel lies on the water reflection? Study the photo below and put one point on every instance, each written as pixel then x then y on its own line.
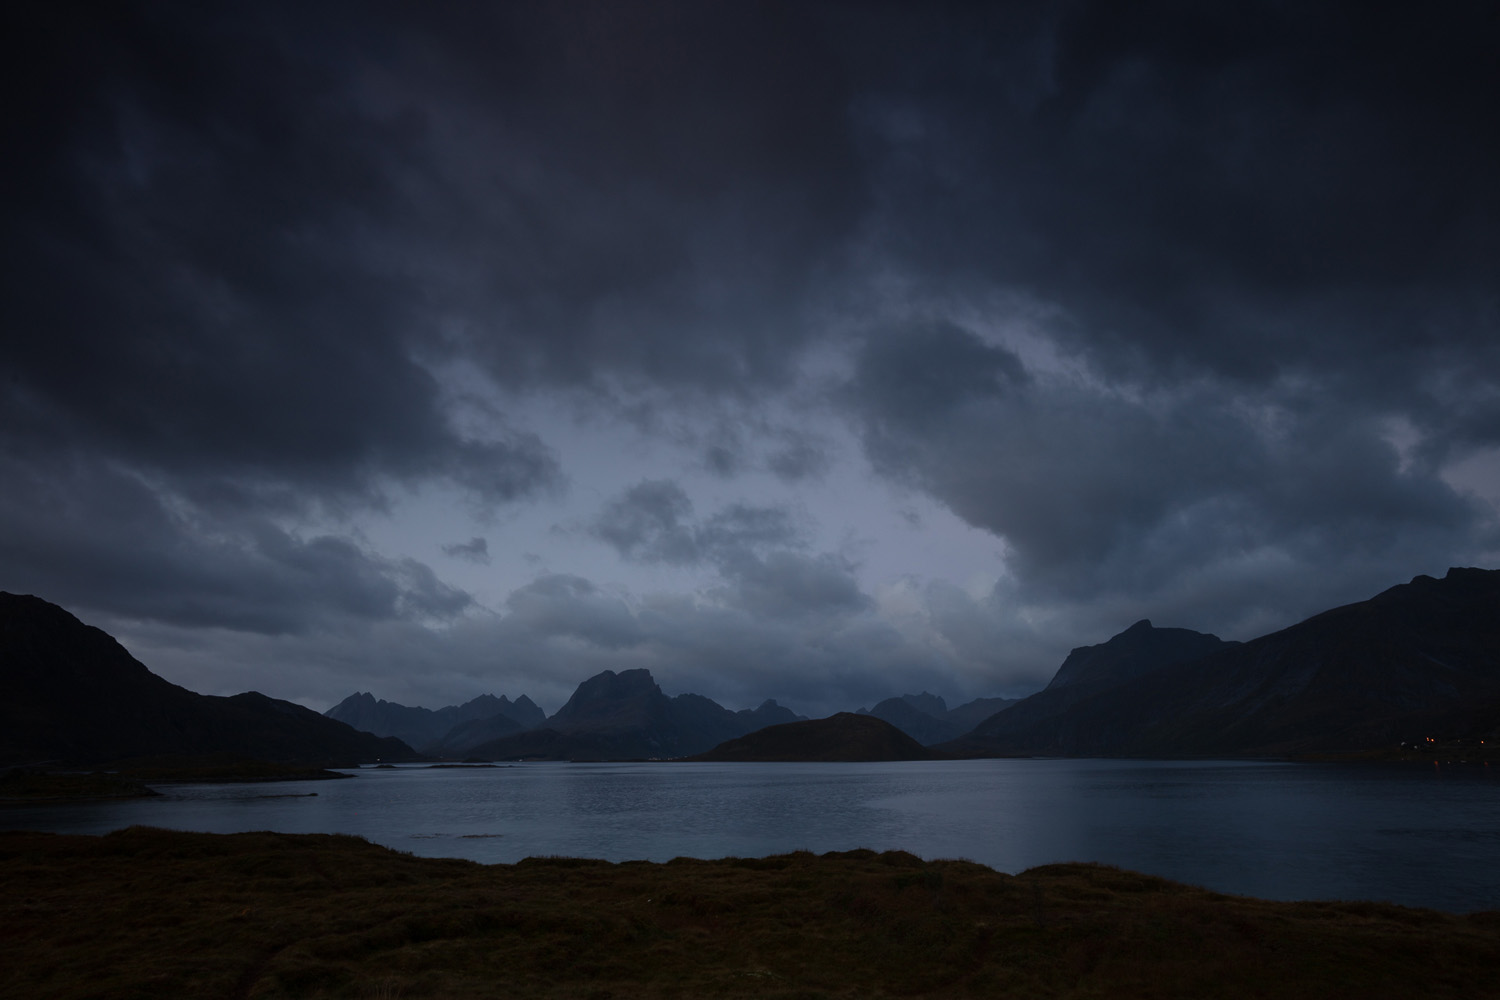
pixel 1289 831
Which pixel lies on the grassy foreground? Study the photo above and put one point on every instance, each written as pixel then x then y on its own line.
pixel 152 913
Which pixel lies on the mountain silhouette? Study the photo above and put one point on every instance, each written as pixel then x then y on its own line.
pixel 927 718
pixel 626 716
pixel 70 693
pixel 1420 659
pixel 451 730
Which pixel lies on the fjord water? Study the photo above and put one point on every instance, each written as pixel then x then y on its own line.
pixel 1421 835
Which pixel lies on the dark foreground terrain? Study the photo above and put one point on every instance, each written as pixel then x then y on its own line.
pixel 151 913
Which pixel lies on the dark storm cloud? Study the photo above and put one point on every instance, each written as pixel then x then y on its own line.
pixel 920 375
pixel 264 214
pixel 245 247
pixel 1250 190
pixel 202 276
pixel 1263 240
pixel 756 551
pixel 100 538
pixel 571 607
pixel 653 522
pixel 648 523
pixel 243 237
pixel 785 584
pixel 797 457
pixel 1097 490
pixel 659 184
pixel 475 550
pixel 201 287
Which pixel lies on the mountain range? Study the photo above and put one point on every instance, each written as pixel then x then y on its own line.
pixel 610 716
pixel 1418 661
pixel 442 732
pixel 626 715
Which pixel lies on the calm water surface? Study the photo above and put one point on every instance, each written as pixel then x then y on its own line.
pixel 1419 835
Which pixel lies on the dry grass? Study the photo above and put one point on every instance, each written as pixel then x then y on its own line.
pixel 19 786
pixel 151 913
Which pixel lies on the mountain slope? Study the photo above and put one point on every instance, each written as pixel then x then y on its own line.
pixel 921 726
pixel 1043 722
pixel 1418 657
pixel 464 737
pixel 970 714
pixel 927 718
pixel 69 692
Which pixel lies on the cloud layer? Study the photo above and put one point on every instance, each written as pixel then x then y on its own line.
pixel 682 311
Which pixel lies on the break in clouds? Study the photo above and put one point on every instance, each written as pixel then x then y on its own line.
pixel 820 352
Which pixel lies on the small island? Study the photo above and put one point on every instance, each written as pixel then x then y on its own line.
pixel 841 737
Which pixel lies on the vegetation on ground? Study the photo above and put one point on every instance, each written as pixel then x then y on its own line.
pixel 129 778
pixel 21 786
pixel 152 913
pixel 221 768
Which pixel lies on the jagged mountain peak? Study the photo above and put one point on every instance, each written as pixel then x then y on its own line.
pixel 1139 649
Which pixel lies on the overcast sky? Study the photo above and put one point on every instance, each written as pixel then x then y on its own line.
pixel 817 352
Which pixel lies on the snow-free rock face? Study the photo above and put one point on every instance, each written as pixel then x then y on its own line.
pixel 69 692
pixel 1419 659
pixel 609 700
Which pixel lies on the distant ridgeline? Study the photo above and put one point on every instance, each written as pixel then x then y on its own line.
pixel 451 730
pixel 1420 661
pixel 611 716
pixel 623 716
pixel 927 718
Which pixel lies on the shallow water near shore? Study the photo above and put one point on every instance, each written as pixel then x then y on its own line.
pixel 1420 835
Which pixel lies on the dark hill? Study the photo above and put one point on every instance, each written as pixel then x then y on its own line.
pixel 70 693
pixel 842 737
pixel 1420 659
